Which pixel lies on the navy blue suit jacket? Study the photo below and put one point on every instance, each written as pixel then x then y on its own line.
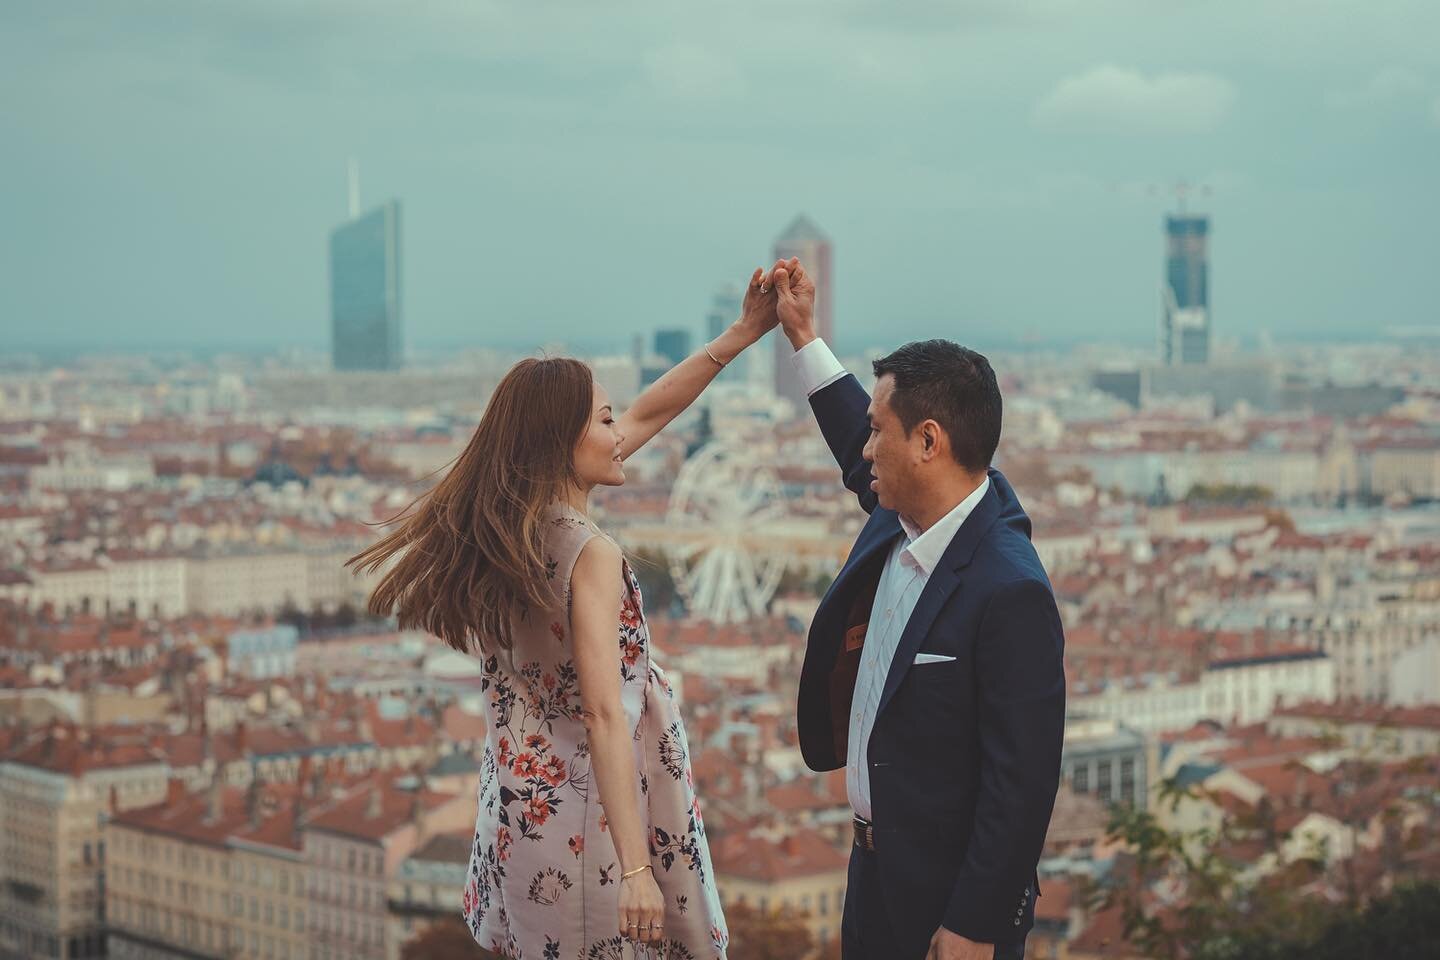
pixel 965 754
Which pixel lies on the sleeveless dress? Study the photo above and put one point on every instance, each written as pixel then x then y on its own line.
pixel 544 879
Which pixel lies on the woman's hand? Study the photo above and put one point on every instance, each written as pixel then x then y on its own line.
pixel 642 908
pixel 757 312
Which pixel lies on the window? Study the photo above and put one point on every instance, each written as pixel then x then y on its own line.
pixel 1081 779
pixel 1102 778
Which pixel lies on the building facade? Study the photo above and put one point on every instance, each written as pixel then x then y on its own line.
pixel 673 344
pixel 365 291
pixel 1185 318
pixel 55 794
pixel 1105 760
pixel 261 654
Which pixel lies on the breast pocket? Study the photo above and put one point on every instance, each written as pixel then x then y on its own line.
pixel 935 688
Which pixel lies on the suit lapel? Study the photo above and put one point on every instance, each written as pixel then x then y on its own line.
pixel 944 580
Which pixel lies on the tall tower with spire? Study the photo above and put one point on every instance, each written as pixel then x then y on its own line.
pixel 805 240
pixel 365 286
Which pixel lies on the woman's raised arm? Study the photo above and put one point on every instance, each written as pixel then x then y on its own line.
pixel 667 398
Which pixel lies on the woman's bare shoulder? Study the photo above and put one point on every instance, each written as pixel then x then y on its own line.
pixel 599 562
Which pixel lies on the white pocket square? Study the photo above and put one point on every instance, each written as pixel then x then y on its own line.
pixel 932 658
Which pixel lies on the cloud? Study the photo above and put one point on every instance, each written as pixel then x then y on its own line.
pixel 686 71
pixel 1117 99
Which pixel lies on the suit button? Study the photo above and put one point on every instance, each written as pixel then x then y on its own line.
pixel 1017 922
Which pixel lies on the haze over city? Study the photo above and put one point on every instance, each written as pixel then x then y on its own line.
pixel 993 171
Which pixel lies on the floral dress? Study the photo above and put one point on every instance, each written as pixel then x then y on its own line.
pixel 544 879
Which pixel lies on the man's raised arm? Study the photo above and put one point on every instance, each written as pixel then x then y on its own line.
pixel 840 404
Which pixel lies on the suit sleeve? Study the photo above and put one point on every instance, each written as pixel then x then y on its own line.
pixel 1020 675
pixel 841 410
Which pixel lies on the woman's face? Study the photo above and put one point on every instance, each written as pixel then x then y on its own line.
pixel 597 455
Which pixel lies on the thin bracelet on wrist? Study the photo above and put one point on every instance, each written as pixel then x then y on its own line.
pixel 713 357
pixel 639 869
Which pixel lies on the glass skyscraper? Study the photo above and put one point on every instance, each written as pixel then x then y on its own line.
pixel 365 291
pixel 673 344
pixel 1185 321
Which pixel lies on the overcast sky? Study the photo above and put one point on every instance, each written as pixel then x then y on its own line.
pixel 582 171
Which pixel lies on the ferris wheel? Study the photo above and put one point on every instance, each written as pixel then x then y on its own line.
pixel 727 562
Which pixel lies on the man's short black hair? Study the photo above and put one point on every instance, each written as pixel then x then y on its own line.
pixel 943 381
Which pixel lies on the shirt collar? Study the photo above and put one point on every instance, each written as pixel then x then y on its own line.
pixel 925 549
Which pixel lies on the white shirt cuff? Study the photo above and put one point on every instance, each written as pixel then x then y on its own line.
pixel 817 366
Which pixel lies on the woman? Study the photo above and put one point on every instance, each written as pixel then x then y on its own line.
pixel 589 836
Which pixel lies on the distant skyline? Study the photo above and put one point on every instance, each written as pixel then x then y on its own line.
pixel 988 171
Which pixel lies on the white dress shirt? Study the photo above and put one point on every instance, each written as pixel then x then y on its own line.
pixel 907 569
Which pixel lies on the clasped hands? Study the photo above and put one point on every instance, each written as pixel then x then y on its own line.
pixel 783 296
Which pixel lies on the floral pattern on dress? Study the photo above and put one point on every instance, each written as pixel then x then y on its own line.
pixel 543 880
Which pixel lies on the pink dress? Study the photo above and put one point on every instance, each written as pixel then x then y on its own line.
pixel 544 880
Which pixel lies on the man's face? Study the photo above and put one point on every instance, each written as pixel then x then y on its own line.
pixel 892 455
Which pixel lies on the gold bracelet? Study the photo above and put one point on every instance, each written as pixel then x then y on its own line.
pixel 627 876
pixel 712 356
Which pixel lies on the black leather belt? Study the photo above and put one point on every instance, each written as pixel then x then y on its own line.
pixel 864 834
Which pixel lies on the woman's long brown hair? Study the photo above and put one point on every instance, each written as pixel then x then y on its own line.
pixel 471 556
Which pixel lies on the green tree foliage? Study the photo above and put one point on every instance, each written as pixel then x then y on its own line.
pixel 1232 494
pixel 1194 895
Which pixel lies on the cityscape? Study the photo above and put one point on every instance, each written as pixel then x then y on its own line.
pixel 209 749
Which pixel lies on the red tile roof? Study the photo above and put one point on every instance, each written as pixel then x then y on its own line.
pixel 802 853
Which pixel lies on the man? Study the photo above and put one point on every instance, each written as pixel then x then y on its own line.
pixel 933 670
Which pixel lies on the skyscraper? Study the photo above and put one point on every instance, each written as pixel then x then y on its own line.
pixel 804 239
pixel 1185 317
pixel 673 344
pixel 365 291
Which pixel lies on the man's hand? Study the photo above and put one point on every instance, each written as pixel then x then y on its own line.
pixel 757 313
pixel 951 946
pixel 796 306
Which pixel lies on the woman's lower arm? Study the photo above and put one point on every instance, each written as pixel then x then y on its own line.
pixel 612 758
pixel 678 387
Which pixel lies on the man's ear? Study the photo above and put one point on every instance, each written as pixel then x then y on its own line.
pixel 929 439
